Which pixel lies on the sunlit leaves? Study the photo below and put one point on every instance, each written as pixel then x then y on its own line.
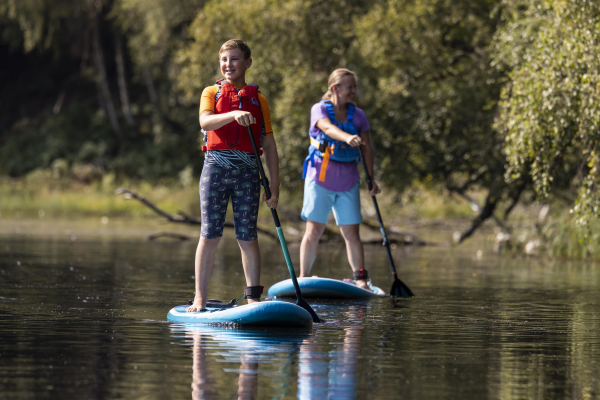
pixel 550 113
pixel 433 91
pixel 155 28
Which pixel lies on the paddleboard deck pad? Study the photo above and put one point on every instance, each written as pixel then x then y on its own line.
pixel 265 313
pixel 324 288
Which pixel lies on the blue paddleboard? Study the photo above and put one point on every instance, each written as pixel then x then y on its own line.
pixel 316 287
pixel 265 313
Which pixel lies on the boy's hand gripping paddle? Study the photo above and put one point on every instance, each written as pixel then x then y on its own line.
pixel 265 183
pixel 399 289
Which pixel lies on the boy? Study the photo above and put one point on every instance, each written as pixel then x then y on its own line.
pixel 226 110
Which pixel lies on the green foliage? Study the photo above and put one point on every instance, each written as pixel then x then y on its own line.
pixel 43 140
pixel 423 67
pixel 424 78
pixel 559 236
pixel 36 21
pixel 155 28
pixel 53 86
pixel 429 90
pixel 550 108
pixel 40 141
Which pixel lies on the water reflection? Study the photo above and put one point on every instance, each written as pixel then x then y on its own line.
pixel 295 357
pixel 201 380
pixel 87 320
pixel 217 353
pixel 332 374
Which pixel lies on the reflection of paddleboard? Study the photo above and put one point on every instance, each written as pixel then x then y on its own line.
pixel 260 336
pixel 324 288
pixel 266 313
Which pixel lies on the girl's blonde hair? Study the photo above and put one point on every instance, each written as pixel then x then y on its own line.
pixel 335 79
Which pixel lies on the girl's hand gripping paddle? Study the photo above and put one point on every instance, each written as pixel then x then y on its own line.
pixel 399 289
pixel 265 183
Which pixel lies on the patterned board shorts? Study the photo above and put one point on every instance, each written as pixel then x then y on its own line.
pixel 216 185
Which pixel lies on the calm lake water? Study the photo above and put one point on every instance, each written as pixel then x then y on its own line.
pixel 85 318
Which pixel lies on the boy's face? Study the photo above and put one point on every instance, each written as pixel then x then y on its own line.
pixel 233 66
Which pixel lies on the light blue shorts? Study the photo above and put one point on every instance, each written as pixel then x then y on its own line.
pixel 319 201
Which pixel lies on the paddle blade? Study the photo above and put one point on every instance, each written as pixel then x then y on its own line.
pixel 399 289
pixel 302 303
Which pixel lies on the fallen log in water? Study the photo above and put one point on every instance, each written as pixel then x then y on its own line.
pixel 170 235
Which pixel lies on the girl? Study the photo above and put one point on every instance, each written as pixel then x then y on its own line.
pixel 331 175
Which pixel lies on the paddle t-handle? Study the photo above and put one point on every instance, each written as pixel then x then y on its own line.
pixel 265 183
pixel 399 289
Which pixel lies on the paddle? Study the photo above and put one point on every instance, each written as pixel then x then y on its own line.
pixel 399 289
pixel 265 182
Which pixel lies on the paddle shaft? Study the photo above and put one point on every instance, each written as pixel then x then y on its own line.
pixel 381 227
pixel 265 183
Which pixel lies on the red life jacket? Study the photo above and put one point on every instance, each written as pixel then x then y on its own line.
pixel 234 136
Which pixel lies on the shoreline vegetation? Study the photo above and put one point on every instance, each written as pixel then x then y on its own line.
pixel 51 196
pixel 46 194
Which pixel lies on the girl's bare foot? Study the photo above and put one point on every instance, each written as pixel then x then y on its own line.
pixel 361 283
pixel 250 301
pixel 197 306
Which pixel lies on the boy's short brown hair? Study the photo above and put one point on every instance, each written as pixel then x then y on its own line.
pixel 236 44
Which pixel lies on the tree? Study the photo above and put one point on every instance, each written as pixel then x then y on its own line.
pixel 549 112
pixel 66 62
pixel 434 93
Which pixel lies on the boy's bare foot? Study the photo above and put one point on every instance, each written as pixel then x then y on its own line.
pixel 361 283
pixel 250 301
pixel 195 307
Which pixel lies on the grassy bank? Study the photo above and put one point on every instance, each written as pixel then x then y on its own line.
pixel 556 236
pixel 41 194
pixel 45 194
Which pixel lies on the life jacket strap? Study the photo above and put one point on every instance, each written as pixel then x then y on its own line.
pixel 331 112
pixel 326 157
pixel 315 143
pixel 327 151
